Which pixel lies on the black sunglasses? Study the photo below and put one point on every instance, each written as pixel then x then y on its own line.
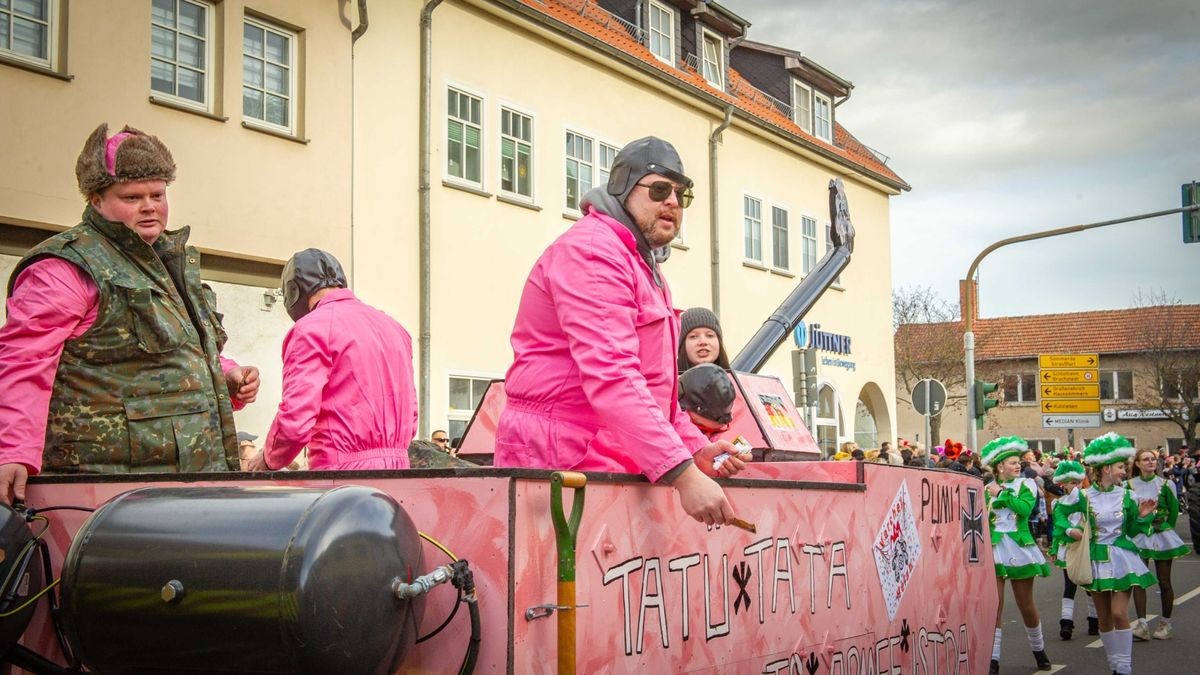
pixel 661 189
pixel 441 440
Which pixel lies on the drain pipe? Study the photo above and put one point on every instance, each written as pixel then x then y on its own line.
pixel 424 235
pixel 358 32
pixel 714 240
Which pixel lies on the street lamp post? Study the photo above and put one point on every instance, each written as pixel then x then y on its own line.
pixel 969 291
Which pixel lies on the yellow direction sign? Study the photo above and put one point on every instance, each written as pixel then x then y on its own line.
pixel 1068 361
pixel 1060 406
pixel 1070 391
pixel 1069 377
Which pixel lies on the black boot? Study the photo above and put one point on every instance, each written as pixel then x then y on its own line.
pixel 1043 661
pixel 1065 627
pixel 994 669
pixel 1093 626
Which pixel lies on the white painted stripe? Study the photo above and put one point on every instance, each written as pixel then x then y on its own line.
pixel 1178 601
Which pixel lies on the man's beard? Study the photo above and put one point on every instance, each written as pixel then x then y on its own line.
pixel 653 236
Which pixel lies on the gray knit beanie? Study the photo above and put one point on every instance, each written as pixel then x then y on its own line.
pixel 700 317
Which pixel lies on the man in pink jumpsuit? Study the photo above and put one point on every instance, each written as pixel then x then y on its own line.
pixel 348 392
pixel 111 339
pixel 593 385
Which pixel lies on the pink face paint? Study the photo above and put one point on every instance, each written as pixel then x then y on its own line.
pixel 110 152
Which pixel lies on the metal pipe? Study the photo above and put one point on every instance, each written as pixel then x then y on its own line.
pixel 970 291
pixel 424 236
pixel 714 242
pixel 363 22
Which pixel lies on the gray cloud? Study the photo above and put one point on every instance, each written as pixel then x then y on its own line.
pixel 1014 117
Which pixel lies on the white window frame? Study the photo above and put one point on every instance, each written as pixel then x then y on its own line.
pixel 589 142
pixel 517 143
pixel 822 127
pixel 802 107
pixel 210 22
pixel 787 244
pixel 1023 396
pixel 50 23
pixel 748 224
pixel 706 36
pixel 835 421
pixel 292 66
pixel 1114 377
pixel 466 122
pixel 808 244
pixel 606 154
pixel 669 38
pixel 460 414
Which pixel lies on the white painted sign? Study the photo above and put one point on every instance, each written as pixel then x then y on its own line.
pixel 1152 414
pixel 1071 421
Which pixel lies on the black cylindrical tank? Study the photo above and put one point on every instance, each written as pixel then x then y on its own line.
pixel 20 576
pixel 243 580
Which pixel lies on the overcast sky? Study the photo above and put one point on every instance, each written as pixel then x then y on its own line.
pixel 1013 117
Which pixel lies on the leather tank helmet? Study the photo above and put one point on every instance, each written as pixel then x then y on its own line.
pixel 306 273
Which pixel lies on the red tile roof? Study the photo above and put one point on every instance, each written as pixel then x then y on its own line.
pixel 600 24
pixel 1117 331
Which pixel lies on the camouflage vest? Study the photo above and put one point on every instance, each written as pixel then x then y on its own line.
pixel 142 389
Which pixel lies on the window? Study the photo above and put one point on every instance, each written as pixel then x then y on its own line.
pixel 181 51
pixel 26 30
pixel 1020 388
pixel 752 219
pixel 516 153
pixel 1116 385
pixel 802 105
pixel 662 32
pixel 607 154
pixel 1045 446
pixel 713 60
pixel 808 234
pixel 268 76
pixel 779 238
pixel 580 168
pixel 464 131
pixel 1182 384
pixel 465 394
pixel 828 420
pixel 823 117
pixel 866 431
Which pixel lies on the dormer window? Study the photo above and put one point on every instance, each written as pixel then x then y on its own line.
pixel 823 117
pixel 661 26
pixel 802 105
pixel 713 59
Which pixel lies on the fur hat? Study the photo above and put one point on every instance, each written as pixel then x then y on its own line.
pixel 126 157
pixel 1068 470
pixel 1002 448
pixel 1108 449
pixel 700 317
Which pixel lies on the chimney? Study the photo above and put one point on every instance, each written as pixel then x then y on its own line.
pixel 971 287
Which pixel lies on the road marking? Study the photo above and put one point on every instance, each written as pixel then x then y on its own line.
pixel 1178 601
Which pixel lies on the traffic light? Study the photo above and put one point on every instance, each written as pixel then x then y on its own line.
pixel 982 402
pixel 1191 219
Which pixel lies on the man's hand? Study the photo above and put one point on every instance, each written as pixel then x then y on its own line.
pixel 734 462
pixel 701 498
pixel 12 482
pixel 243 383
pixel 258 462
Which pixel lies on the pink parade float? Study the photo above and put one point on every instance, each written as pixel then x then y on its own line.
pixel 838 567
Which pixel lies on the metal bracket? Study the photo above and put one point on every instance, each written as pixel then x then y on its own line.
pixel 543 611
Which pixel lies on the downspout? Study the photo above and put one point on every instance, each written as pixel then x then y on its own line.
pixel 714 239
pixel 358 32
pixel 424 231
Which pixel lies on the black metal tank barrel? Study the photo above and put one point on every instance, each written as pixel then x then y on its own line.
pixel 777 326
pixel 243 580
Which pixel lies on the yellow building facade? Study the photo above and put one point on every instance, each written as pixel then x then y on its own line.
pixel 299 123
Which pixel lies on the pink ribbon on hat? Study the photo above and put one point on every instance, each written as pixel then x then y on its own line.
pixel 110 152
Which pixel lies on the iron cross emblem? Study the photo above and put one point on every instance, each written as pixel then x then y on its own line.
pixel 972 524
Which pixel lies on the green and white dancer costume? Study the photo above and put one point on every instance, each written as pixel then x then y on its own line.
pixel 1014 551
pixel 1161 542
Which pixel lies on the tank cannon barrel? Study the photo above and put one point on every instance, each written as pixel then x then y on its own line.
pixel 775 329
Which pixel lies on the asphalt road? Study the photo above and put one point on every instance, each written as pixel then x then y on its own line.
pixel 1084 653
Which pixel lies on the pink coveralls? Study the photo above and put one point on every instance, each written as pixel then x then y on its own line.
pixel 348 391
pixel 52 301
pixel 593 385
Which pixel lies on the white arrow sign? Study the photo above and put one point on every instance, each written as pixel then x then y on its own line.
pixel 1070 421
